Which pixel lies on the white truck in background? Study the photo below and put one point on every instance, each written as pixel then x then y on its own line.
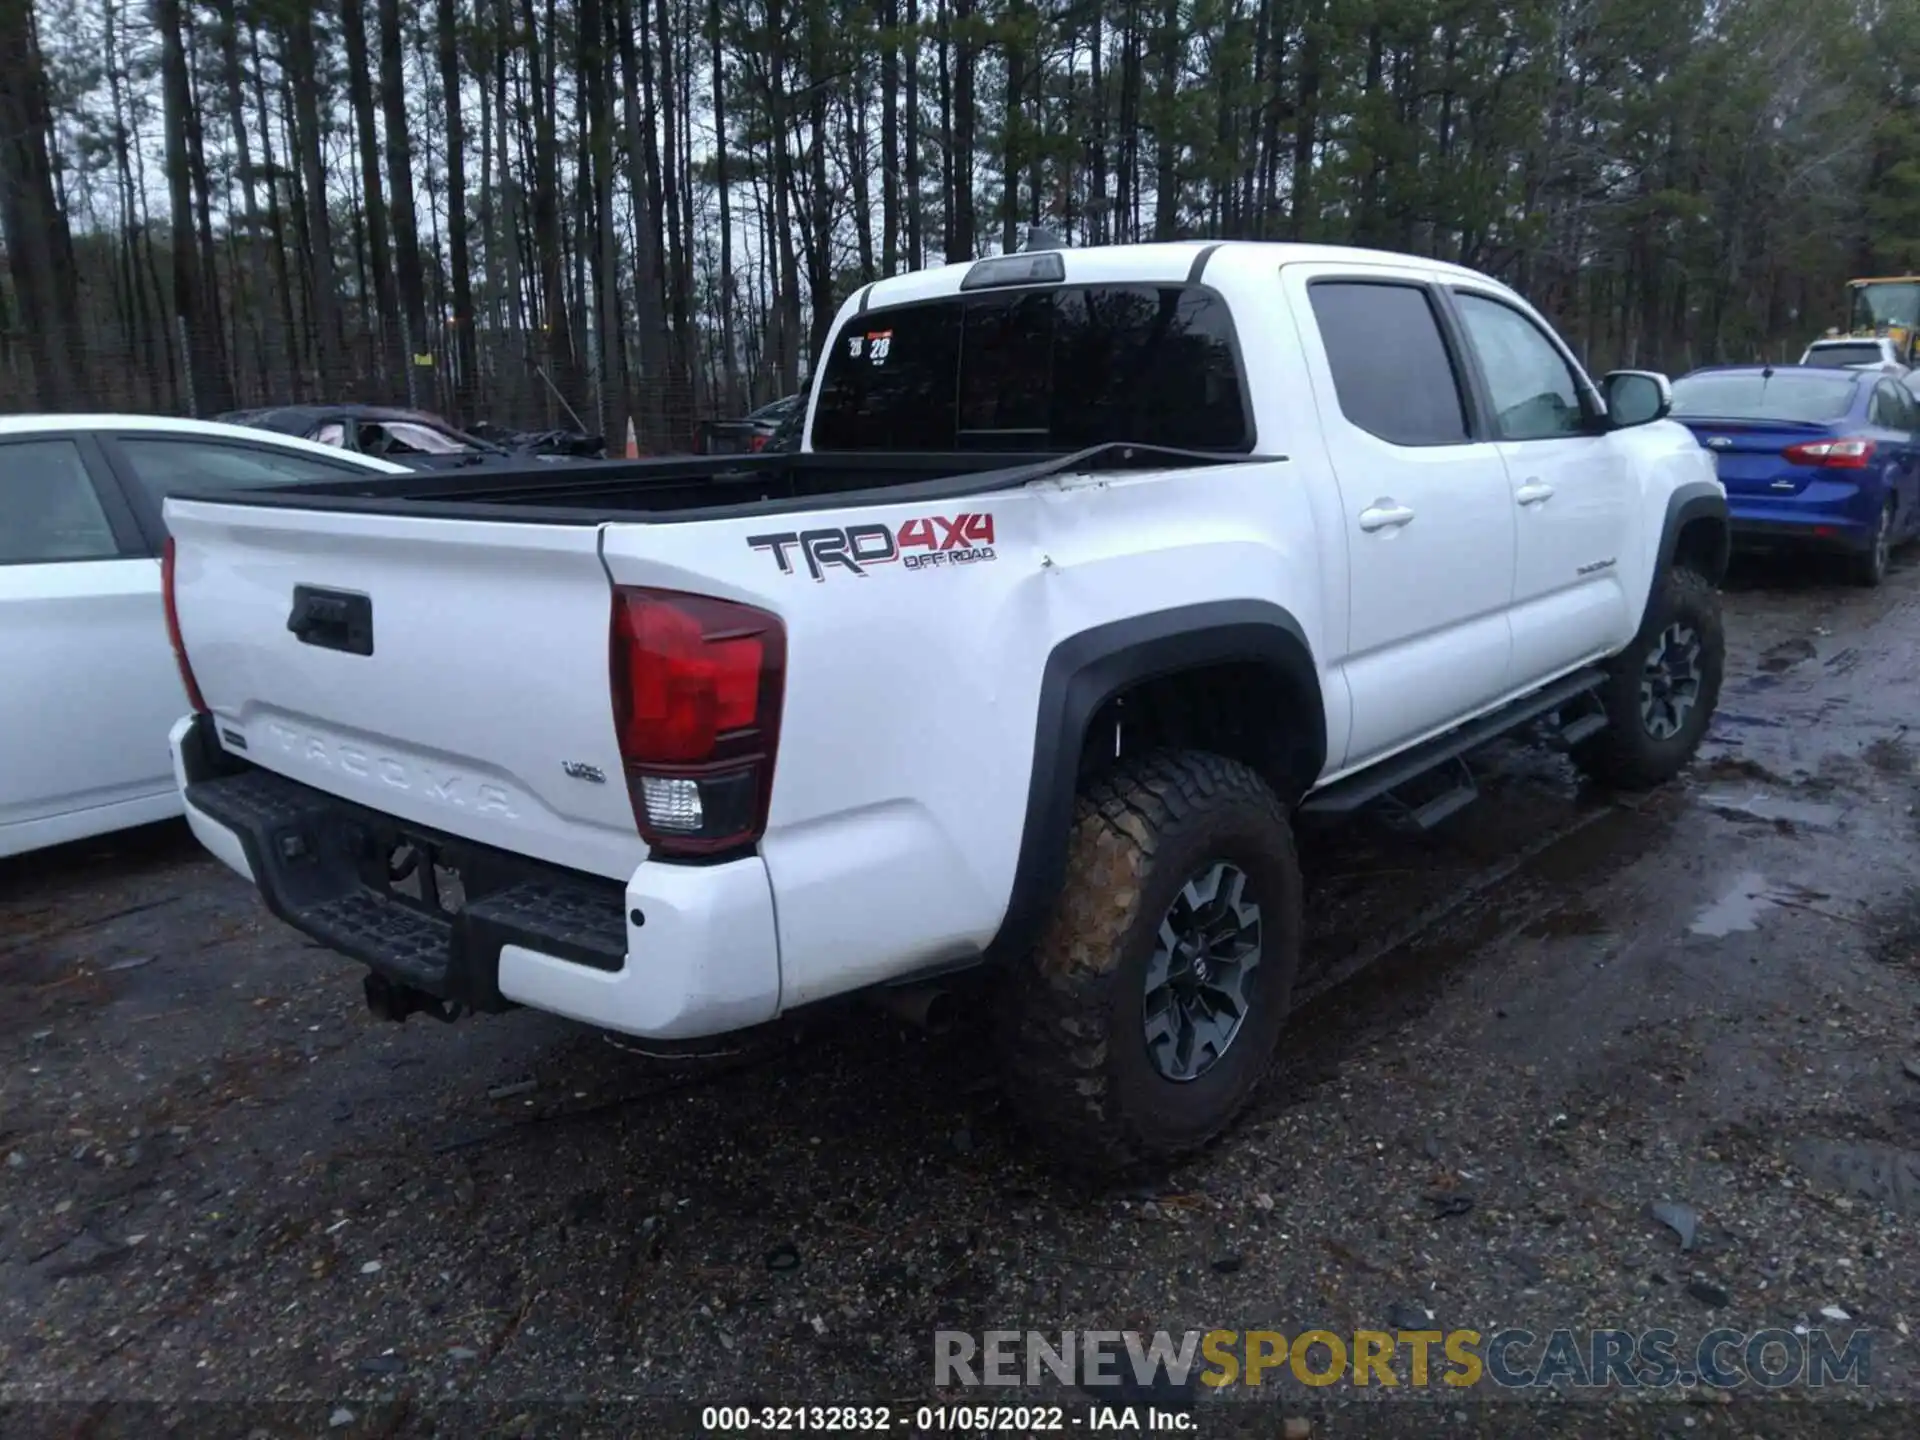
pixel 1094 567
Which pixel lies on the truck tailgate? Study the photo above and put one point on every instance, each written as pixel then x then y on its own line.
pixel 449 672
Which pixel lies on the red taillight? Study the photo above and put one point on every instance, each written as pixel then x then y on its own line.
pixel 697 685
pixel 1831 454
pixel 757 442
pixel 194 698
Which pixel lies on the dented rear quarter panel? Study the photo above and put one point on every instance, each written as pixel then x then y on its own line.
pixel 913 680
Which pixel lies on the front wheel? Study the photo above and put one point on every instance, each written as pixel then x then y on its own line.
pixel 1661 690
pixel 1153 1002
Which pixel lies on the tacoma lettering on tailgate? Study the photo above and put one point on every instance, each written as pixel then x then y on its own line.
pixel 927 543
pixel 443 787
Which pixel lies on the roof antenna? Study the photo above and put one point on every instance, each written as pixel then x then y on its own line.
pixel 1040 238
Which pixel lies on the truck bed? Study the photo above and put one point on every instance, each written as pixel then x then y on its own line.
pixel 699 487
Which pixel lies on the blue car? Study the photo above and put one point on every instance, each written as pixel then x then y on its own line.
pixel 1814 457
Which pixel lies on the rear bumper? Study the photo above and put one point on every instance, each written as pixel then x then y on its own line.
pixel 678 952
pixel 1818 518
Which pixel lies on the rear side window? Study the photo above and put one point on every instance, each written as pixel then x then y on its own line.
pixel 1391 368
pixel 49 510
pixel 165 466
pixel 1058 369
pixel 1890 407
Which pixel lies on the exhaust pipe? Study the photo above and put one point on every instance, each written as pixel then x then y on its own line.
pixel 925 1007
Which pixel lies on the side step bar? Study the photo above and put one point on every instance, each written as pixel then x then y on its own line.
pixel 1344 796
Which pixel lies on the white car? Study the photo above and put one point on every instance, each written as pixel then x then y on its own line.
pixel 88 681
pixel 1092 568
pixel 1858 353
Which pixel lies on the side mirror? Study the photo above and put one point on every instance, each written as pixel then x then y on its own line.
pixel 1636 397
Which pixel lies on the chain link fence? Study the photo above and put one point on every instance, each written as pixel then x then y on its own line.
pixel 501 380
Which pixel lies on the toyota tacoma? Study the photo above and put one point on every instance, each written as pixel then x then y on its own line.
pixel 1094 568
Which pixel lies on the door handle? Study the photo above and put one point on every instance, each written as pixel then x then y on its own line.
pixel 1533 493
pixel 1383 514
pixel 332 619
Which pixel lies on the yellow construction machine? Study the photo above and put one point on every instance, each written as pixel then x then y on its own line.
pixel 1888 307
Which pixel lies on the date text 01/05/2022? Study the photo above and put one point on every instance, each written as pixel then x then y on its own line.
pixel 942 1419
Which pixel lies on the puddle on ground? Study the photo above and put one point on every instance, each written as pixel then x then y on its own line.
pixel 1738 908
pixel 1786 655
pixel 1890 754
pixel 1567 922
pixel 1762 805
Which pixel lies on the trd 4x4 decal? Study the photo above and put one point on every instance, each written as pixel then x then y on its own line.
pixel 931 542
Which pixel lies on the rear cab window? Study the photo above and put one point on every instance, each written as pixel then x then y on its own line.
pixel 1060 368
pixel 1839 356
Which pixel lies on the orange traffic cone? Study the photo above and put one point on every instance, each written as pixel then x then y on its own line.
pixel 633 441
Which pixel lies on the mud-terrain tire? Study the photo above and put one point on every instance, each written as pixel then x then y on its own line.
pixel 1649 736
pixel 1148 838
pixel 1869 567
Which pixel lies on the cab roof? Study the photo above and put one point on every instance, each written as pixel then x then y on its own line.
pixel 1160 262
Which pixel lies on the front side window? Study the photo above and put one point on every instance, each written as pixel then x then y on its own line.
pixel 1391 369
pixel 334 434
pixel 49 510
pixel 1534 393
pixel 1059 369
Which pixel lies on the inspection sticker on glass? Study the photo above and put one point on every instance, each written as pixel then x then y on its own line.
pixel 879 342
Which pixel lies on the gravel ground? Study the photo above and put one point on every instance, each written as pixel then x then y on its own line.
pixel 226 1185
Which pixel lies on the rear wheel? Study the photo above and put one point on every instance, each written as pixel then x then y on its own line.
pixel 1152 1005
pixel 1660 692
pixel 1870 565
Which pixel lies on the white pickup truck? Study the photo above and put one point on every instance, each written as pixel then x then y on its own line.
pixel 1094 566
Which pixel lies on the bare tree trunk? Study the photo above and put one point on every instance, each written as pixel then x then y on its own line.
pixel 206 251
pixel 406 227
pixel 143 342
pixel 270 340
pixel 1166 177
pixel 597 93
pixel 44 283
pixel 889 136
pixel 393 361
pixel 466 363
pixel 323 307
pixel 729 383
pixel 965 120
pixel 208 390
pixel 916 240
pixel 546 210
pixel 787 301
pixel 649 303
pixel 506 236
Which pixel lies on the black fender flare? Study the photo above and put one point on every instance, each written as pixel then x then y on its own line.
pixel 1695 500
pixel 1087 670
